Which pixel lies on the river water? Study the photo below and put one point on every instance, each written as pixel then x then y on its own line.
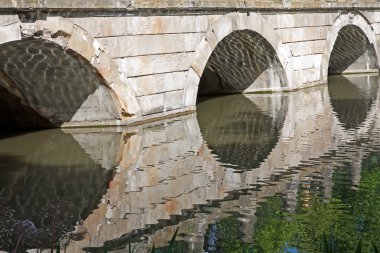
pixel 276 172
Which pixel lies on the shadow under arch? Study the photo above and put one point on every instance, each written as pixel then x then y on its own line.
pixel 220 29
pixel 244 134
pixel 351 46
pixel 351 98
pixel 44 85
pixel 244 61
pixel 352 52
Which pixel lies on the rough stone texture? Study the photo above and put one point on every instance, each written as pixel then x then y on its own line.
pixel 237 64
pixel 9 28
pixel 56 84
pixel 150 49
pixel 187 151
pixel 180 4
pixel 352 52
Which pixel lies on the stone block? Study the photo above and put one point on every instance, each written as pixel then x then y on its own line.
pixel 201 57
pixel 119 26
pixel 58 24
pixel 225 25
pixel 151 104
pixel 6 20
pixel 81 43
pixel 307 47
pixel 303 34
pixel 191 88
pixel 281 21
pixel 10 33
pixel 126 46
pixel 173 100
pixel 376 27
pixel 307 76
pixel 306 62
pixel 152 84
pixel 155 64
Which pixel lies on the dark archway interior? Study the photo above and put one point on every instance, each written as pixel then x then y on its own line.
pixel 351 98
pixel 352 52
pixel 243 134
pixel 243 61
pixel 43 85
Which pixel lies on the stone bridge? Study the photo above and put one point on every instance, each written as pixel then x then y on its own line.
pixel 120 62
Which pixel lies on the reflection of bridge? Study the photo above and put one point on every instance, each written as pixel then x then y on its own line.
pixel 167 168
pixel 118 62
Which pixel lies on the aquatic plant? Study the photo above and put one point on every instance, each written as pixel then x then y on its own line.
pixel 20 235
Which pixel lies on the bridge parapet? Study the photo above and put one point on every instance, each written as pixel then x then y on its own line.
pixel 176 5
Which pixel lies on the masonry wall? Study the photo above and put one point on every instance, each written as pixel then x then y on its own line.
pixel 155 53
pixel 156 46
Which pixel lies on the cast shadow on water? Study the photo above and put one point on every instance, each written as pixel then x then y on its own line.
pixel 49 180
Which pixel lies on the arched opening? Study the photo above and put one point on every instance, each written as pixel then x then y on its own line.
pixel 352 52
pixel 43 85
pixel 244 61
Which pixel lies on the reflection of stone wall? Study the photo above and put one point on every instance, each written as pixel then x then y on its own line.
pixel 50 166
pixel 168 167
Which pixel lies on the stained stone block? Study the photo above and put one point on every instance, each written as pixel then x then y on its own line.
pixel 303 34
pixel 125 46
pixel 151 104
pixel 120 26
pixel 9 29
pixel 155 64
pixel 160 83
pixel 307 47
pixel 173 100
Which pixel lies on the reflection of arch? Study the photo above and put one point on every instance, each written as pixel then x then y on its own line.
pixel 353 99
pixel 217 32
pixel 71 36
pixel 244 134
pixel 355 19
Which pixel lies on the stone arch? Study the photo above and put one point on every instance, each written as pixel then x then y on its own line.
pixel 61 42
pixel 224 26
pixel 71 36
pixel 346 19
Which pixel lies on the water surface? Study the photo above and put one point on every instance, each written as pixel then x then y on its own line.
pixel 272 171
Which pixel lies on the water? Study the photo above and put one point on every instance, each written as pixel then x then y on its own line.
pixel 272 171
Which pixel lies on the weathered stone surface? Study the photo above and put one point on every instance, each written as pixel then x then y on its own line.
pixel 158 51
pixel 9 28
pixel 125 46
pixel 160 83
pixel 155 64
pixel 303 34
pixel 119 26
pixel 307 62
pixel 180 4
pixel 307 47
pixel 281 21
